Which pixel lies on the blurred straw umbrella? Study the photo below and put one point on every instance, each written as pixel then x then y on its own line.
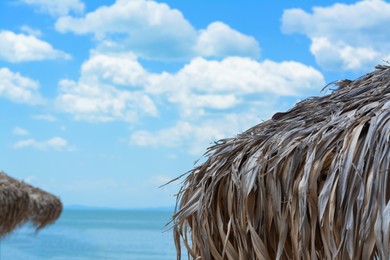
pixel 21 202
pixel 311 183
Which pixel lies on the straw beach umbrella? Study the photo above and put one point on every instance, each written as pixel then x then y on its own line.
pixel 20 203
pixel 310 183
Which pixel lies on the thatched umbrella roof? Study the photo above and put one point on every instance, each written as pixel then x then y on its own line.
pixel 21 202
pixel 312 182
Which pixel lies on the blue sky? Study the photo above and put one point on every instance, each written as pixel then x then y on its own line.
pixel 101 102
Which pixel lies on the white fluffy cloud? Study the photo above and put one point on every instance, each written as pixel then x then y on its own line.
pixel 224 84
pixel 148 28
pixel 20 47
pixel 208 91
pixel 349 37
pixel 94 101
pixel 121 69
pixel 155 31
pixel 55 143
pixel 117 87
pixel 196 136
pixel 238 75
pixel 341 55
pixel 107 90
pixel 56 7
pixel 44 117
pixel 31 31
pixel 20 131
pixel 219 40
pixel 19 89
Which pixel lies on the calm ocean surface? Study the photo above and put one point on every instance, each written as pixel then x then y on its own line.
pixel 95 234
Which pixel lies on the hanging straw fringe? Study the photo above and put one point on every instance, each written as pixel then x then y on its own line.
pixel 21 203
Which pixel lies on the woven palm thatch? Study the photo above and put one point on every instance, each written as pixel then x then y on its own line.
pixel 20 203
pixel 311 183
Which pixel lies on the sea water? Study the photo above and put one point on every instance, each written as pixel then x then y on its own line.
pixel 95 234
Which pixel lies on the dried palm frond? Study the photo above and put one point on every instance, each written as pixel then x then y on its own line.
pixel 311 183
pixel 21 202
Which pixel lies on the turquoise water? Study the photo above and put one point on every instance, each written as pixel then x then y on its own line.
pixel 88 234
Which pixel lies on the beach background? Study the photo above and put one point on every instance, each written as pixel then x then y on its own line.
pixel 103 102
pixel 95 234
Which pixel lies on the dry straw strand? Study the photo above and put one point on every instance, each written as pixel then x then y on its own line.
pixel 311 183
pixel 21 203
